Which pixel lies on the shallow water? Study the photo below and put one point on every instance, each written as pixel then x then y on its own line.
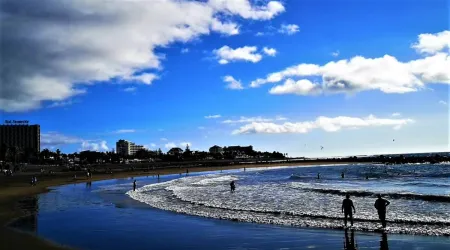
pixel 419 196
pixel 101 216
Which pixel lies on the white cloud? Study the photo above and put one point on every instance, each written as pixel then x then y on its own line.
pixel 50 57
pixel 130 89
pixel 335 53
pixel 184 50
pixel 61 104
pixel 94 146
pixel 212 116
pixel 396 114
pixel 433 43
pixel 226 54
pixel 145 78
pixel 183 144
pixel 289 29
pixel 163 139
pixel 247 11
pixel 225 28
pixel 52 139
pixel 259 34
pixel 150 146
pixel 170 145
pixel 201 127
pixel 385 74
pixel 442 102
pixel 232 83
pixel 244 119
pixel 269 51
pixel 301 87
pixel 325 123
pixel 124 131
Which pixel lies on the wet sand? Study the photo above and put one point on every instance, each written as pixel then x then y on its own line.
pixel 15 188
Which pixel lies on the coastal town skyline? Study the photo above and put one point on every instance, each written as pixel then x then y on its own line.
pixel 269 74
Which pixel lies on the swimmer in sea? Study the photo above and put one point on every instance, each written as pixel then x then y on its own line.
pixel 347 206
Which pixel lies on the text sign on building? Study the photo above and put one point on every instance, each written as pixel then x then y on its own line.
pixel 15 122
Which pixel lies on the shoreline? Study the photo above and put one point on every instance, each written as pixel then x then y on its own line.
pixel 16 191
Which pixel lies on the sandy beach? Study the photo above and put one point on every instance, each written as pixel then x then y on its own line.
pixel 18 187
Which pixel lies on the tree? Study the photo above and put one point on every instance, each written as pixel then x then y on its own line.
pixel 142 154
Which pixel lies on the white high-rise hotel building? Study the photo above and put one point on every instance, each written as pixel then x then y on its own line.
pixel 124 147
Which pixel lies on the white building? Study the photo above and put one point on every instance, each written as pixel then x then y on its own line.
pixel 124 147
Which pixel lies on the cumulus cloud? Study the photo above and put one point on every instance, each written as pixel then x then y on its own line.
pixel 94 146
pixel 184 50
pixel 385 74
pixel 289 29
pixel 244 119
pixel 269 51
pixel 433 43
pixel 226 54
pixel 442 102
pixel 212 116
pixel 396 114
pixel 232 83
pixel 51 49
pixel 325 123
pixel 259 33
pixel 52 139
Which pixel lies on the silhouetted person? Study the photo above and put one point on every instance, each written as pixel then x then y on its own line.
pixel 349 244
pixel 384 242
pixel 342 175
pixel 187 170
pixel 347 206
pixel 134 185
pixel 367 177
pixel 380 205
pixel 232 186
pixel 318 175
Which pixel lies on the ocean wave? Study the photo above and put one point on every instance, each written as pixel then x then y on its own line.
pixel 260 199
pixel 363 193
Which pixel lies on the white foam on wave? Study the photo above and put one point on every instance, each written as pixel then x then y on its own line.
pixel 282 204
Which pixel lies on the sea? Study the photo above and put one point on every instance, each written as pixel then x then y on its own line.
pixel 419 196
pixel 272 208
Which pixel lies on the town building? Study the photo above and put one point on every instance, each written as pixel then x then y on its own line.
pixel 238 150
pixel 175 151
pixel 125 148
pixel 215 150
pixel 21 135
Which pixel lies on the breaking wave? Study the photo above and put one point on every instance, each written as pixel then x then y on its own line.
pixel 276 198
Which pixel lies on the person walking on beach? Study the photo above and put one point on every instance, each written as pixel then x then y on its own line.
pixel 380 205
pixel 134 185
pixel 232 186
pixel 347 206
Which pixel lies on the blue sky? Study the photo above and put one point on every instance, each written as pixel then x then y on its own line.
pixel 80 77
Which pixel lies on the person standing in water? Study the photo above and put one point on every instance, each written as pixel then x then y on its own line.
pixel 342 175
pixel 347 206
pixel 380 205
pixel 134 185
pixel 232 186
